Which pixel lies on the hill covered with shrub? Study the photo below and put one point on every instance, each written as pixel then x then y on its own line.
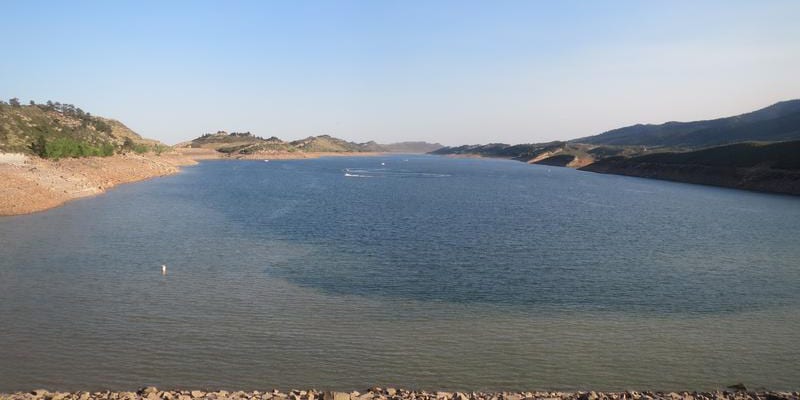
pixel 56 130
pixel 245 144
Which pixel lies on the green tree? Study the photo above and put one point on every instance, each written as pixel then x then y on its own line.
pixel 14 102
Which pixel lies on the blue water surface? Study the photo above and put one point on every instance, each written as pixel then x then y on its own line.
pixel 418 271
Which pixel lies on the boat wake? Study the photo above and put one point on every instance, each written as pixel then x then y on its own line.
pixel 387 173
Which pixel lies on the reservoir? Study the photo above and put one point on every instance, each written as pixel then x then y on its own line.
pixel 408 271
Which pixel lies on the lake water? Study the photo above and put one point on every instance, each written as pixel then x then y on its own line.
pixel 425 272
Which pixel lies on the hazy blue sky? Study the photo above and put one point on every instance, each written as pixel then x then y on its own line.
pixel 455 72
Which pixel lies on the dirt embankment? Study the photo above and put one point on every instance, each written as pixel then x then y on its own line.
pixel 30 184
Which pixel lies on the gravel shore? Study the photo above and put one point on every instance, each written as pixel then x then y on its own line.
pixel 152 393
pixel 31 184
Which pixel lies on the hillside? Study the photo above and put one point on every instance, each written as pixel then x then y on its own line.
pixel 731 152
pixel 562 154
pixel 53 153
pixel 55 130
pixel 329 144
pixel 778 122
pixel 771 167
pixel 246 144
pixel 411 147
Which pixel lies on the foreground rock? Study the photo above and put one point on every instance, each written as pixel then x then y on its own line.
pixel 151 393
pixel 31 184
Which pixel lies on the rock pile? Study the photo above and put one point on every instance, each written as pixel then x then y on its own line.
pixel 152 393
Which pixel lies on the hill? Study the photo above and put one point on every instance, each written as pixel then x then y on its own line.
pixel 55 130
pixel 330 144
pixel 771 167
pixel 411 147
pixel 563 154
pixel 732 152
pixel 778 122
pixel 52 153
pixel 246 144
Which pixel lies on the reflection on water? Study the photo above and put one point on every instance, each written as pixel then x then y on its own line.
pixel 494 275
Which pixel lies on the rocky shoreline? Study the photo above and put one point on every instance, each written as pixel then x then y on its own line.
pixel 736 392
pixel 211 154
pixel 756 179
pixel 31 184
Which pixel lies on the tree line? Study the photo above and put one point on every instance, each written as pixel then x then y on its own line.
pixel 65 109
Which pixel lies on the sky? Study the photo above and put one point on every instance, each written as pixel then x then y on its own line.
pixel 454 72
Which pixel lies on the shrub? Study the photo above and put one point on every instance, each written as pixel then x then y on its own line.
pixel 39 147
pixel 160 148
pixel 140 149
pixel 66 147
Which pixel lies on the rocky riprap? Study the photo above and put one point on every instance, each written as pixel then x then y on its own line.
pixel 152 393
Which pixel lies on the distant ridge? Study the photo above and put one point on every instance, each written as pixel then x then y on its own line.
pixel 411 147
pixel 557 153
pixel 778 122
pixel 759 150
pixel 245 144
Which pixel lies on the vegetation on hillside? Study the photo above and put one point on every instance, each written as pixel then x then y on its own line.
pixel 328 144
pixel 242 144
pixel 411 147
pixel 60 130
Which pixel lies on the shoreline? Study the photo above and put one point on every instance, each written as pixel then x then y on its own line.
pixel 754 179
pixel 210 154
pixel 30 184
pixel 152 393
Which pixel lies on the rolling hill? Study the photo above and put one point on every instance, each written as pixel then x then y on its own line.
pixel 244 144
pixel 62 130
pixel 773 167
pixel 563 154
pixel 759 150
pixel 778 122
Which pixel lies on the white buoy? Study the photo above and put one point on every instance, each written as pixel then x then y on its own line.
pixel 163 270
pixel 383 163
